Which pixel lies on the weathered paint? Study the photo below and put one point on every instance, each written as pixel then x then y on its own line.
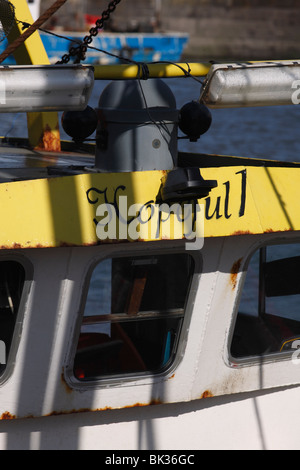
pixel 234 272
pixel 206 394
pixel 6 415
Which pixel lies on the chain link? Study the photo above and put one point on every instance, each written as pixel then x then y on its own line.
pixel 80 51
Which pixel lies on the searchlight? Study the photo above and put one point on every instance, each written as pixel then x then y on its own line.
pixel 45 88
pixel 252 84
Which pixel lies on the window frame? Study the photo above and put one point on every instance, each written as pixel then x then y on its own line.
pixel 18 327
pixel 127 378
pixel 278 356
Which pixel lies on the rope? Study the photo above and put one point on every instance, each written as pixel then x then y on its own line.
pixel 41 20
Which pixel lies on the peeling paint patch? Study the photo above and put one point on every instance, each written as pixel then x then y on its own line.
pixel 206 394
pixel 7 415
pixel 60 413
pixel 242 232
pixel 152 402
pixel 50 140
pixel 90 410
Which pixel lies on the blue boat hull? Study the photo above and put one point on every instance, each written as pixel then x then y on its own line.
pixel 140 47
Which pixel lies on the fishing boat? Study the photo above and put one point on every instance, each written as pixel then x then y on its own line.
pixel 112 47
pixel 141 47
pixel 148 297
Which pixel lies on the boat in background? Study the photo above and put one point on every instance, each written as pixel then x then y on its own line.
pixel 140 47
pixel 140 44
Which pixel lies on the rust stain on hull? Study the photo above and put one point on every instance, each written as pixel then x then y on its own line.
pixel 17 246
pixel 152 402
pixel 234 272
pixel 7 415
pixel 241 232
pixel 93 410
pixel 206 394
pixel 62 413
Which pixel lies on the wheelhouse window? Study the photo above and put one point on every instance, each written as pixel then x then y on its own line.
pixel 268 320
pixel 12 278
pixel 133 315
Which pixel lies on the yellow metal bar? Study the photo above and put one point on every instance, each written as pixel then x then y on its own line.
pixel 43 128
pixel 124 72
pixel 161 70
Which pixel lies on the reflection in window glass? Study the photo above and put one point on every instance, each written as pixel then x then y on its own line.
pixel 12 277
pixel 268 319
pixel 133 315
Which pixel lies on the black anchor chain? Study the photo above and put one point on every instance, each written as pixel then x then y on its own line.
pixel 80 51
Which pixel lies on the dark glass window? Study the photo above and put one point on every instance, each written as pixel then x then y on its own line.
pixel 12 277
pixel 133 315
pixel 268 319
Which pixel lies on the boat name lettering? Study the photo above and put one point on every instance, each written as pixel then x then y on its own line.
pixel 191 214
